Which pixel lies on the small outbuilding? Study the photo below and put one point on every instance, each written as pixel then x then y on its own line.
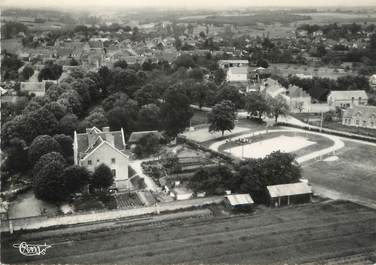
pixel 286 194
pixel 181 193
pixel 236 201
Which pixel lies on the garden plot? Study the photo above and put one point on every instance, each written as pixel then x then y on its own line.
pixel 263 148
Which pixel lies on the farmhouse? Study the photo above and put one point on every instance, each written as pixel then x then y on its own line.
pixel 286 194
pixel 95 147
pixel 345 99
pixel 236 201
pixel 360 116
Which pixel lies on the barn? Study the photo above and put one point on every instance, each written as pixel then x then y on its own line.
pixel 286 194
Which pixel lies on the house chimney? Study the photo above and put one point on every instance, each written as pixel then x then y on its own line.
pixel 110 138
pixel 105 129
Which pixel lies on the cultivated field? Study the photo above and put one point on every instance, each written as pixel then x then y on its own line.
pixel 354 173
pixel 307 233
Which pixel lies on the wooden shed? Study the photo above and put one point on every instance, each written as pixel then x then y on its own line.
pixel 286 194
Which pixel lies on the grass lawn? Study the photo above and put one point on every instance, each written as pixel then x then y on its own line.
pixel 354 173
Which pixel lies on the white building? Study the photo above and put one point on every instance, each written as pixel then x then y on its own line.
pixel 95 147
pixel 347 98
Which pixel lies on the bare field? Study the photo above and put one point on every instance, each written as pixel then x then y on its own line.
pixel 299 234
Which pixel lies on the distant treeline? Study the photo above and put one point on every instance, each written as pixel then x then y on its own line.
pixel 262 17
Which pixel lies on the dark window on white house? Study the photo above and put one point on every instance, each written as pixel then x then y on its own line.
pixel 113 160
pixel 113 172
pixel 89 162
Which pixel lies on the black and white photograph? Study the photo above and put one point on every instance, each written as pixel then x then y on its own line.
pixel 206 132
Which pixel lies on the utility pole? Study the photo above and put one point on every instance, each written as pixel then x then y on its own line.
pixel 322 118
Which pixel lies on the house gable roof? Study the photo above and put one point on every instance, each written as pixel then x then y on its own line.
pixel 364 112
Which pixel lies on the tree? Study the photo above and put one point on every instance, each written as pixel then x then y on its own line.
pixel 66 143
pixel 175 112
pixel 46 159
pixel 213 181
pixel 92 87
pixel 49 185
pixel 222 117
pixel 196 74
pixel 148 118
pixel 278 106
pixel 255 104
pixel 41 145
pixel 82 89
pixel 231 93
pixel 75 178
pixel 123 116
pixel 262 63
pixel 146 95
pixel 54 92
pixel 184 60
pixel 72 101
pixel 95 119
pixel 50 71
pixel 27 72
pixel 56 109
pixel 68 124
pixel 147 145
pixel 219 76
pixel 102 177
pixel 121 63
pixel 16 159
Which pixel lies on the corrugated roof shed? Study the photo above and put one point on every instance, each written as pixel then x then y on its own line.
pixel 289 189
pixel 239 199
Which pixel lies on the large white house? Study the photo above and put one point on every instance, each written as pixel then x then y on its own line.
pixel 95 147
pixel 347 98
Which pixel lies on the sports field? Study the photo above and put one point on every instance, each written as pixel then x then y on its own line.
pixel 354 173
pixel 336 231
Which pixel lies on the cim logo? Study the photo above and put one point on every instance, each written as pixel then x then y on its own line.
pixel 32 250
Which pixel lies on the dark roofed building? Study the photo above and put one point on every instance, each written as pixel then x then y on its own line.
pixel 136 136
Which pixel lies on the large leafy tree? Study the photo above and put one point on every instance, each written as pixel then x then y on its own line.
pixel 27 72
pixel 146 95
pixel 222 117
pixel 49 185
pixel 147 145
pixel 228 92
pixel 72 101
pixel 66 143
pixel 75 178
pixel 175 112
pixel 278 106
pixel 17 160
pixel 214 181
pixel 47 159
pixel 256 104
pixel 68 124
pixel 50 71
pixel 41 145
pixel 149 118
pixel 102 177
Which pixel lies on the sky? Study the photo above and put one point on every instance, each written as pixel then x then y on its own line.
pixel 181 3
